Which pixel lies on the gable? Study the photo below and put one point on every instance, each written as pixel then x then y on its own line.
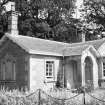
pixel 12 48
pixel 101 50
pixel 93 51
pixel 90 50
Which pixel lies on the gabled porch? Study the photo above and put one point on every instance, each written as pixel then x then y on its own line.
pixel 81 68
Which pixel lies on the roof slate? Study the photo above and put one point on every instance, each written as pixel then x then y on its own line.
pixel 46 47
pixel 77 50
pixel 95 43
pixel 38 46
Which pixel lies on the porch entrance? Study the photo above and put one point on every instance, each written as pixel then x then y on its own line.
pixel 88 71
pixel 71 74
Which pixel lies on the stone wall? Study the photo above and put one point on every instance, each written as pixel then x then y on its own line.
pixel 10 48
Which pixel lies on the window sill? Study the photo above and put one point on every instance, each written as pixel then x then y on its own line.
pixel 49 80
pixel 49 77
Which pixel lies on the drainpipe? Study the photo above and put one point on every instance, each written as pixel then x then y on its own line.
pixel 63 73
pixel 63 69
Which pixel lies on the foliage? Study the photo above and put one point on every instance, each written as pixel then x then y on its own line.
pixel 3 18
pixel 93 18
pixel 48 19
pixel 52 19
pixel 52 97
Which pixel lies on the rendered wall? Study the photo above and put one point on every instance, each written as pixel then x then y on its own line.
pixel 37 72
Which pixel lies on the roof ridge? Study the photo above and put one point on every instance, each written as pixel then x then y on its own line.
pixel 39 39
pixel 77 46
pixel 88 41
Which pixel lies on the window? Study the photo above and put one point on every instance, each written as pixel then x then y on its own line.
pixel 14 70
pixel 8 66
pixel 3 71
pixel 103 69
pixel 49 69
pixel 26 65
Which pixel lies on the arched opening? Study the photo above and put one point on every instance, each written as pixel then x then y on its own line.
pixel 88 71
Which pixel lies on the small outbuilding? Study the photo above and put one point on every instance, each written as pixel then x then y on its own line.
pixel 28 62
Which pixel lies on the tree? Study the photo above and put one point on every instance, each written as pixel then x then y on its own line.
pixel 93 14
pixel 46 18
pixel 3 17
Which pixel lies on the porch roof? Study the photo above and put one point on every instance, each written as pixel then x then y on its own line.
pixel 46 47
pixel 77 50
pixel 95 43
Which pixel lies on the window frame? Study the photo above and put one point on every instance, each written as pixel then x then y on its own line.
pixel 3 71
pixel 8 58
pixel 26 65
pixel 53 68
pixel 14 69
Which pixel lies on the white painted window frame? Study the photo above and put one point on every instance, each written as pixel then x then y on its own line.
pixel 48 77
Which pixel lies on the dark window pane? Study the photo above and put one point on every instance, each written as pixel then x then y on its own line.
pixel 46 74
pixel 104 72
pixel 50 74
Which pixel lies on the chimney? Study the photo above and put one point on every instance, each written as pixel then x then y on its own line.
pixel 13 21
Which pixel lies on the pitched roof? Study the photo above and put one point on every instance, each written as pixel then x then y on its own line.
pixel 46 47
pixel 71 51
pixel 95 43
pixel 37 46
pixel 78 48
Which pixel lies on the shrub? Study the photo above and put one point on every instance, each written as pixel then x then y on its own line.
pixel 3 100
pixel 58 97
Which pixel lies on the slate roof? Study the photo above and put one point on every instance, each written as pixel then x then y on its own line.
pixel 77 50
pixel 95 43
pixel 37 45
pixel 46 47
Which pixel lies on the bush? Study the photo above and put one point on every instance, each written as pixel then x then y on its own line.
pixel 58 97
pixel 3 100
